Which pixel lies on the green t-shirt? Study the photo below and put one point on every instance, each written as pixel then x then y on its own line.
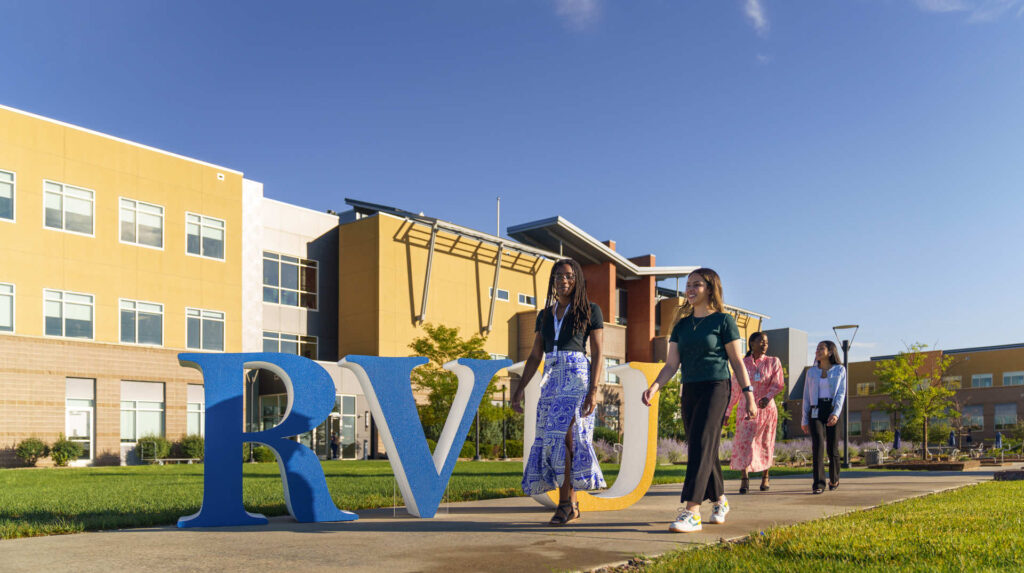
pixel 702 343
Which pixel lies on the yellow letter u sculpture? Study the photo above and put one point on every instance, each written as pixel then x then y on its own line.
pixel 639 440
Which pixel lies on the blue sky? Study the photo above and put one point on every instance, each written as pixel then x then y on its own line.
pixel 836 161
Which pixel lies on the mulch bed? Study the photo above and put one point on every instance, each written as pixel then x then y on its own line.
pixel 921 465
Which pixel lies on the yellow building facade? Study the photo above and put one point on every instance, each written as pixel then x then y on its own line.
pixel 114 257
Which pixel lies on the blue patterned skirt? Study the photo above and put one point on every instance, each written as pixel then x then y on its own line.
pixel 566 381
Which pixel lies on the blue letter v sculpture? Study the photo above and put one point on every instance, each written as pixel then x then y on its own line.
pixel 422 478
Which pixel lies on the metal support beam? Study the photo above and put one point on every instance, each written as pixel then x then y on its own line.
pixel 494 288
pixel 426 282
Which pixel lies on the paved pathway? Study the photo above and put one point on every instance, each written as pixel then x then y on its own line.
pixel 493 535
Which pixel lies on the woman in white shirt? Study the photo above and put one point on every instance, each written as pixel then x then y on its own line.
pixel 824 394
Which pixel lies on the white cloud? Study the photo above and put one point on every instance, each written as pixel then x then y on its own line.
pixel 764 59
pixel 578 14
pixel 977 10
pixel 942 5
pixel 755 12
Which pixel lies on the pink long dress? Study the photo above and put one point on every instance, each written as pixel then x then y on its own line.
pixel 754 445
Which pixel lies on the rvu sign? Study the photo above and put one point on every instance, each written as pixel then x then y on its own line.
pixel 422 476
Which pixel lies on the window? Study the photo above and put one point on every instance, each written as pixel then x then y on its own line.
pixel 973 417
pixel 290 344
pixel 527 300
pixel 1006 416
pixel 981 381
pixel 7 195
pixel 67 208
pixel 142 223
pixel 620 309
pixel 196 410
pixel 1009 378
pixel 142 410
pixel 608 376
pixel 502 294
pixel 142 322
pixel 204 329
pixel 272 408
pixel 346 406
pixel 290 281
pixel 6 307
pixel 865 388
pixel 854 422
pixel 67 314
pixel 608 415
pixel 879 421
pixel 204 236
pixel 952 382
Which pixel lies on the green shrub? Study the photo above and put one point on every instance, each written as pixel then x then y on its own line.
pixel 607 434
pixel 263 454
pixel 64 450
pixel 192 446
pixel 514 448
pixel 30 450
pixel 468 449
pixel 152 447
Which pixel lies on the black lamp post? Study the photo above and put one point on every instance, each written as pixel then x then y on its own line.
pixel 846 344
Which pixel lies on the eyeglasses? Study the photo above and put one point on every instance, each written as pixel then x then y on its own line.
pixel 565 277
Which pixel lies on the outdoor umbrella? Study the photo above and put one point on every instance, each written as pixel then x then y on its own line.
pixel 896 439
pixel 952 439
pixel 999 440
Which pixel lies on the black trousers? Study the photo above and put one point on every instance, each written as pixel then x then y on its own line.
pixel 703 406
pixel 823 437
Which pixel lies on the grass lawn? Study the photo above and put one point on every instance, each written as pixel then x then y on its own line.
pixel 69 500
pixel 976 528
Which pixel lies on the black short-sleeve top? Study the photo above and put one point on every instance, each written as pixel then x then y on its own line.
pixel 702 343
pixel 569 338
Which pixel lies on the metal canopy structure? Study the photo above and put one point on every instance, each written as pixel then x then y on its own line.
pixel 559 235
pixel 366 209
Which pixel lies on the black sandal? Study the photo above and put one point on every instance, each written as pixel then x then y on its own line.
pixel 832 486
pixel 764 484
pixel 567 511
pixel 744 485
pixel 818 490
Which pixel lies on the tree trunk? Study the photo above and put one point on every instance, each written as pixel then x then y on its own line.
pixel 924 439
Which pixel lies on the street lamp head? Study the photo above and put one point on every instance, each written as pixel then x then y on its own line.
pixel 845 329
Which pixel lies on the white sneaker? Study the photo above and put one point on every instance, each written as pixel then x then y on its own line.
pixel 687 522
pixel 718 511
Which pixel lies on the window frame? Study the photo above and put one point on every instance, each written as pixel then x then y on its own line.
pixel 14 199
pixel 223 320
pixel 63 314
pixel 202 225
pixel 991 380
pixel 1018 373
pixel 888 421
pixel 14 307
pixel 120 333
pixel 995 416
pixel 163 224
pixel 855 418
pixel 608 376
pixel 301 262
pixel 298 342
pixel 528 298
pixel 965 421
pixel 490 294
pixel 63 219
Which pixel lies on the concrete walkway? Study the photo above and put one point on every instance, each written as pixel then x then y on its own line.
pixel 493 535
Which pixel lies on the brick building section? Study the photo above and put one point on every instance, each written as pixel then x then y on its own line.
pixel 601 288
pixel 640 301
pixel 35 371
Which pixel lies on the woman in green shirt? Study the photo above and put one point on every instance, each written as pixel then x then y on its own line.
pixel 703 345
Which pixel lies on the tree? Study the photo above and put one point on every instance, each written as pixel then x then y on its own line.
pixel 670 418
pixel 440 345
pixel 913 382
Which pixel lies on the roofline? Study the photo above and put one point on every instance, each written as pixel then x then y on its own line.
pixel 558 220
pixel 118 139
pixel 452 227
pixel 294 206
pixel 959 350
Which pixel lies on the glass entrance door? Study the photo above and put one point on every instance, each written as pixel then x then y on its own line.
pixel 78 428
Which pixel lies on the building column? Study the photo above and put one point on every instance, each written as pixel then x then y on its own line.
pixel 640 295
pixel 601 287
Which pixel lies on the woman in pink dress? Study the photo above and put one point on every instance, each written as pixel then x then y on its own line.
pixel 754 446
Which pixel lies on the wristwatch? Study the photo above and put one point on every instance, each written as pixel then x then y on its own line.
pixel 748 388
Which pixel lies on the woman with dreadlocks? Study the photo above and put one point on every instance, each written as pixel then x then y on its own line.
pixel 562 456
